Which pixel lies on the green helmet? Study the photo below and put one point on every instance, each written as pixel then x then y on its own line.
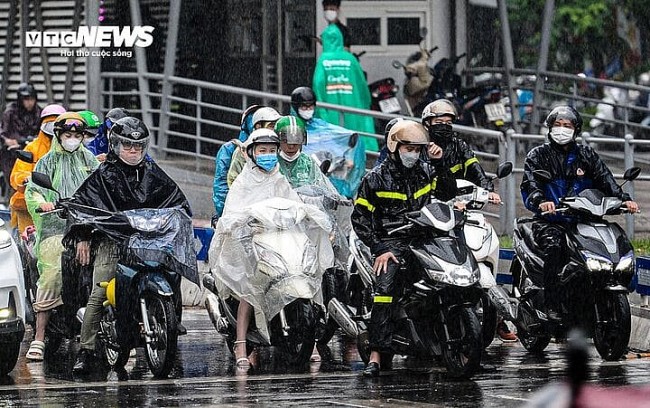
pixel 291 130
pixel 92 120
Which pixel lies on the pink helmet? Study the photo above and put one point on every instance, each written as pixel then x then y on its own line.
pixel 52 110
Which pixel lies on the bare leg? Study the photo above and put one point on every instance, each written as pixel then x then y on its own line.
pixel 42 318
pixel 243 318
pixel 375 357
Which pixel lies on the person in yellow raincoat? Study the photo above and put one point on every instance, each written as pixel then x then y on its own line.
pixel 20 217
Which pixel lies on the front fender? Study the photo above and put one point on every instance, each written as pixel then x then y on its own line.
pixel 156 282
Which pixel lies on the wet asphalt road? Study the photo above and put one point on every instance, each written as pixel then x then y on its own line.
pixel 204 376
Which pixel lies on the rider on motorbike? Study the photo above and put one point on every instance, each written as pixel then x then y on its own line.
pixel 383 153
pixel 68 164
pixel 259 180
pixel 126 180
pixel 20 120
pixel 93 123
pixel 100 145
pixel 573 168
pixel 20 218
pixel 403 183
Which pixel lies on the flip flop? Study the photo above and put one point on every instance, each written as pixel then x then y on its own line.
pixel 36 351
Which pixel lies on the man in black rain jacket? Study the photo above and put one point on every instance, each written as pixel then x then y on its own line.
pixel 401 184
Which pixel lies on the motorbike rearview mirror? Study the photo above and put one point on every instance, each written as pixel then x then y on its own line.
pixel 43 180
pixel 397 64
pixel 354 138
pixel 325 166
pixel 423 32
pixel 543 175
pixel 504 170
pixel 631 174
pixel 25 156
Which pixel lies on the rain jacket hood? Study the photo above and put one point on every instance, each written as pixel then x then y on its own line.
pixel 339 79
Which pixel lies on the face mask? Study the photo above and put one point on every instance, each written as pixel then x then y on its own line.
pixel 70 145
pixel 561 135
pixel 330 15
pixel 440 133
pixel 306 114
pixel 289 158
pixel 267 161
pixel 409 159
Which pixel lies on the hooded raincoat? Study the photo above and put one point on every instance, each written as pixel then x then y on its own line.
pixel 67 172
pixel 38 148
pixel 250 210
pixel 339 79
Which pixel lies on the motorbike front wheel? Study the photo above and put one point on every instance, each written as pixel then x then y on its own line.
pixel 301 319
pixel 613 325
pixel 161 350
pixel 462 352
pixel 8 357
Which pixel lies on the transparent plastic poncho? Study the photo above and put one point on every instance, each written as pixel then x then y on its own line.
pixel 269 247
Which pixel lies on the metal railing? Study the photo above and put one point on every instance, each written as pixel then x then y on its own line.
pixel 203 115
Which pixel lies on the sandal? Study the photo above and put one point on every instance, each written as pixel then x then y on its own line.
pixel 315 355
pixel 36 351
pixel 241 362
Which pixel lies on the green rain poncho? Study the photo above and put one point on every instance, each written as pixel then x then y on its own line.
pixel 67 171
pixel 339 79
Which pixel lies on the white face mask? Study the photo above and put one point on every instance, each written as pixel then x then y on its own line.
pixel 306 114
pixel 409 159
pixel 562 135
pixel 70 145
pixel 330 15
pixel 287 157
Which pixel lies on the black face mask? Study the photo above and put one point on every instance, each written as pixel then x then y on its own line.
pixel 440 133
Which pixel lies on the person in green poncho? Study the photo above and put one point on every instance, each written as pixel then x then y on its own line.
pixel 68 163
pixel 339 79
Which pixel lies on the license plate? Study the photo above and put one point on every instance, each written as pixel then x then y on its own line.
pixel 495 111
pixel 390 105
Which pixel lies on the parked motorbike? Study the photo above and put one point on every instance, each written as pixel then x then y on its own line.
pixel 286 284
pixel 156 249
pixel 12 302
pixel 483 241
pixel 437 316
pixel 595 280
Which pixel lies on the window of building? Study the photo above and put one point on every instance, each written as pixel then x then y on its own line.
pixel 365 31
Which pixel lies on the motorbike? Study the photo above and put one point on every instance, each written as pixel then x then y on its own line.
pixel 13 305
pixel 437 316
pixel 156 250
pixel 598 271
pixel 483 241
pixel 285 288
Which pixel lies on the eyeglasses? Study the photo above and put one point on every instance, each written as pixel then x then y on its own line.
pixel 129 144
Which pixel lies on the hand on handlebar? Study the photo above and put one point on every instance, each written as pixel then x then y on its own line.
pixel 631 206
pixel 381 262
pixel 46 207
pixel 547 207
pixel 83 253
pixel 494 198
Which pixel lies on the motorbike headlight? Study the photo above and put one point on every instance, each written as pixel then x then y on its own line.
pixel 5 313
pixel 596 263
pixel 458 276
pixel 5 238
pixel 626 263
pixel 269 262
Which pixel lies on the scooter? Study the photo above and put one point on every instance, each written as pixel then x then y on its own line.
pixel 437 316
pixel 286 282
pixel 12 302
pixel 156 250
pixel 483 241
pixel 595 279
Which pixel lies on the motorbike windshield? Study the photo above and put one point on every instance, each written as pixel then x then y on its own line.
pixel 271 253
pixel 162 236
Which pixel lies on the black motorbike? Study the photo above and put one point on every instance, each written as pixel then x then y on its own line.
pixel 141 309
pixel 595 280
pixel 437 316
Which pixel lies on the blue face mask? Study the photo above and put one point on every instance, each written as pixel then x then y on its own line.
pixel 267 161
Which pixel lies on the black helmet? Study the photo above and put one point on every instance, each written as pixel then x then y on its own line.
pixel 129 132
pixel 114 115
pixel 336 3
pixel 26 90
pixel 565 112
pixel 302 95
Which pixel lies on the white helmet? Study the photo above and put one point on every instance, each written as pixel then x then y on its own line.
pixel 265 114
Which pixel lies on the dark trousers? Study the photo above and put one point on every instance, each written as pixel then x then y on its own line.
pixel 551 239
pixel 388 288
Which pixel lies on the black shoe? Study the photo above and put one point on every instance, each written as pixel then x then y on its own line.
pixel 325 352
pixel 122 375
pixel 181 329
pixel 83 363
pixel 371 370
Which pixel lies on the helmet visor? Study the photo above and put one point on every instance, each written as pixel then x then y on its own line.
pixel 130 144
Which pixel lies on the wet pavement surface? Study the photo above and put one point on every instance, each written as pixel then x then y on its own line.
pixel 204 376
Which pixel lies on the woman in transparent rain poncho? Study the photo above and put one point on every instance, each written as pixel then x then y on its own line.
pixel 232 259
pixel 68 163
